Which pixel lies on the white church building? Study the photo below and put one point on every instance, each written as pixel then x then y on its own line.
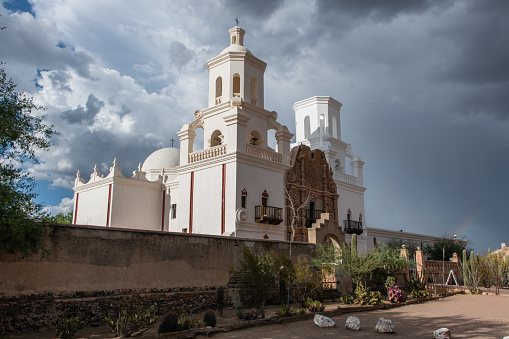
pixel 235 185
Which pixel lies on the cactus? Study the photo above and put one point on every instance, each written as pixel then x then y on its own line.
pixel 465 267
pixel 220 300
pixel 169 323
pixel 209 318
pixel 472 262
pixel 354 245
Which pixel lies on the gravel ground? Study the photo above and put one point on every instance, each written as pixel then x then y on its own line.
pixel 467 316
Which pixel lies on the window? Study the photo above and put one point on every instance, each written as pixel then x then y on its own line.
pixel 307 127
pixel 334 127
pixel 322 124
pixel 173 211
pixel 219 90
pixel 184 230
pixel 243 198
pixel 236 85
pixel 265 201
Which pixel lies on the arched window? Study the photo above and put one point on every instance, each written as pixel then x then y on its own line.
pixel 236 85
pixel 322 124
pixel 253 90
pixel 307 127
pixel 219 90
pixel 338 167
pixel 334 127
pixel 255 138
pixel 234 39
pixel 216 138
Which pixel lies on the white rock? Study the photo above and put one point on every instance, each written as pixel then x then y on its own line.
pixel 323 321
pixel 353 323
pixel 442 333
pixel 385 326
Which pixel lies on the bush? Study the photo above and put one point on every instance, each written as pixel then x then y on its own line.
pixel 209 318
pixel 131 319
pixel 169 323
pixel 316 306
pixel 347 299
pixel 420 294
pixel 186 323
pixel 67 327
pixel 375 298
pixel 283 311
pixel 395 295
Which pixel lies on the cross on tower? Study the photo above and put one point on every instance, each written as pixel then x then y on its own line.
pixel 172 141
pixel 237 21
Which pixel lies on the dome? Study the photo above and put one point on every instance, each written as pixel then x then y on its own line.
pixel 235 48
pixel 167 158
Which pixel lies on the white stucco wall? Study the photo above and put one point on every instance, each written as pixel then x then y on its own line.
pixel 92 205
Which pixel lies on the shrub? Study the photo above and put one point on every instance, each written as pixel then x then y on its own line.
pixel 209 318
pixel 316 306
pixel 186 323
pixel 375 298
pixel 283 311
pixel 67 327
pixel 361 294
pixel 169 323
pixel 395 295
pixel 347 299
pixel 420 294
pixel 131 319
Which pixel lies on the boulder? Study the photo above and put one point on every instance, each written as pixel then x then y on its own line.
pixel 353 323
pixel 442 333
pixel 385 326
pixel 323 321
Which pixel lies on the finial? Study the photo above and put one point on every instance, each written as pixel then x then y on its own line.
pixel 172 141
pixel 237 21
pixel 139 167
pixel 95 168
pixel 115 162
pixel 78 174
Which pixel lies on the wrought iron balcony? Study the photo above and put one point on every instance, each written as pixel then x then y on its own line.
pixel 352 226
pixel 311 216
pixel 268 214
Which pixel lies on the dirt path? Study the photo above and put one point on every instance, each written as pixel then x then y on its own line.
pixel 467 316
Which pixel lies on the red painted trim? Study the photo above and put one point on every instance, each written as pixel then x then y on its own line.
pixel 76 209
pixel 109 208
pixel 223 200
pixel 164 210
pixel 191 204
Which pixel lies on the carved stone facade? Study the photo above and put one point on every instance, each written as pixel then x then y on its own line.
pixel 310 189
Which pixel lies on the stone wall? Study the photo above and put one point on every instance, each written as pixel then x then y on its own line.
pixel 91 270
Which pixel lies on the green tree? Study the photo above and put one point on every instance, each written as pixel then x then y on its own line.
pixel 21 134
pixel 59 218
pixel 258 275
pixel 451 245
pixel 411 246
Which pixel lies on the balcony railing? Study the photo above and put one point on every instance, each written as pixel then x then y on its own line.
pixel 352 227
pixel 311 216
pixel 268 214
pixel 207 153
pixel 264 153
pixel 350 179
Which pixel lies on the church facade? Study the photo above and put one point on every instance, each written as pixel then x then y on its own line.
pixel 237 185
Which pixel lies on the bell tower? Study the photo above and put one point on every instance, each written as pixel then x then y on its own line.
pixel 236 75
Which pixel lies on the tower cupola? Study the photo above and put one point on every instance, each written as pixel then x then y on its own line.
pixel 236 75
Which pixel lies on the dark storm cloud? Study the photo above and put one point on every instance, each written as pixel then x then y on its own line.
pixel 258 9
pixel 478 50
pixel 82 115
pixel 180 55
pixel 346 11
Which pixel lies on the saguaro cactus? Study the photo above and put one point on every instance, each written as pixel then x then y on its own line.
pixel 465 267
pixel 354 245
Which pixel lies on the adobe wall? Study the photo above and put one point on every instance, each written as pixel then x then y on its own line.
pixel 88 258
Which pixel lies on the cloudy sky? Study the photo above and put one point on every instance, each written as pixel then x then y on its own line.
pixel 424 87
